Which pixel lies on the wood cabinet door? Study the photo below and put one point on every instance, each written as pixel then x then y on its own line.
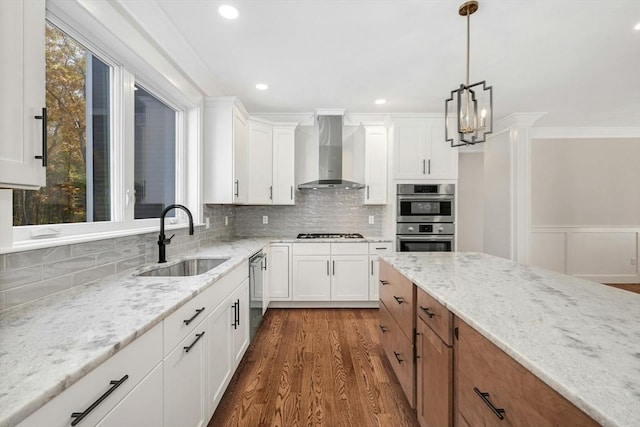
pixel 434 379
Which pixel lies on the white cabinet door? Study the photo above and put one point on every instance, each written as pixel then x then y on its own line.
pixel 410 151
pixel 240 158
pixel 443 160
pixel 375 167
pixel 260 163
pixel 184 378
pixel 239 306
pixel 311 278
pixel 219 357
pixel 279 270
pixel 283 165
pixel 349 278
pixel 22 93
pixel 141 407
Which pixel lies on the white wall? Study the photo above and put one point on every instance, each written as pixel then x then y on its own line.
pixel 470 208
pixel 585 182
pixel 497 196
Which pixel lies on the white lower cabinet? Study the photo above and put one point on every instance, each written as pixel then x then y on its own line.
pixel 112 383
pixel 220 362
pixel 336 271
pixel 240 322
pixel 141 407
pixel 184 367
pixel 280 273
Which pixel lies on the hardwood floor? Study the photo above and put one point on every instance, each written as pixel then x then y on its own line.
pixel 315 367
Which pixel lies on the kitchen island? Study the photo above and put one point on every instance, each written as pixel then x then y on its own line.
pixel 579 337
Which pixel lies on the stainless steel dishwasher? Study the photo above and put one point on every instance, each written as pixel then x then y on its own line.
pixel 257 268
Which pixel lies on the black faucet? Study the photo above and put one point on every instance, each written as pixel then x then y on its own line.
pixel 162 240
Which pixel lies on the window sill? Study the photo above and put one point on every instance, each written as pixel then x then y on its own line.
pixel 31 244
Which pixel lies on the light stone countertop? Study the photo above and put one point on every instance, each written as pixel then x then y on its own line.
pixel 367 239
pixel 579 337
pixel 49 344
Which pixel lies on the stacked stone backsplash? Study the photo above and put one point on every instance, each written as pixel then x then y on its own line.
pixel 315 211
pixel 32 274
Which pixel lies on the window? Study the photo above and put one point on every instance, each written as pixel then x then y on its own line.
pixel 155 155
pixel 78 187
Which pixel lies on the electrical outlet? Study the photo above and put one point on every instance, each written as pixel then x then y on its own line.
pixel 372 219
pixel 207 224
pixel 265 219
pixel 226 220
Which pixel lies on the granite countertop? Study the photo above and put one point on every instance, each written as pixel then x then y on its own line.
pixel 49 344
pixel 579 337
pixel 367 239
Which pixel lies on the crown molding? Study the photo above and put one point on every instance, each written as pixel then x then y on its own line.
pixel 584 132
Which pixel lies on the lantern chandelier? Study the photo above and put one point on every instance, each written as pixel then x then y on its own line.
pixel 469 110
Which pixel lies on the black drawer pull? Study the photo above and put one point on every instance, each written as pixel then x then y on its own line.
pixel 79 416
pixel 238 310
pixel 198 311
pixel 235 315
pixel 384 329
pixel 427 312
pixel 399 300
pixel 383 282
pixel 397 355
pixel 198 336
pixel 499 412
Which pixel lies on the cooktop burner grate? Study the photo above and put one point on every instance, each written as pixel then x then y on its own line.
pixel 330 236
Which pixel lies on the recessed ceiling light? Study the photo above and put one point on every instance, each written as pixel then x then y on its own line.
pixel 262 86
pixel 637 27
pixel 380 101
pixel 228 12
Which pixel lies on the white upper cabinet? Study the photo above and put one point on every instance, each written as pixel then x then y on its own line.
pixel 375 166
pixel 260 163
pixel 421 152
pixel 225 151
pixel 22 94
pixel 284 164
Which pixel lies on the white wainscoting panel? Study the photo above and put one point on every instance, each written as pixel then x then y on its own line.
pixel 548 250
pixel 605 255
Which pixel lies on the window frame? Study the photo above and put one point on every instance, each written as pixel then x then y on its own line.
pixel 124 75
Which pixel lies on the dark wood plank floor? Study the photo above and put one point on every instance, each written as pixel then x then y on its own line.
pixel 315 367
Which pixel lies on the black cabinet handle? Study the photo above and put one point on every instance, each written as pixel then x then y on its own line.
pixel 384 329
pixel 43 117
pixel 367 192
pixel 271 192
pixel 499 412
pixel 383 282
pixel 292 192
pixel 429 166
pixel 235 316
pixel 328 267
pixel 198 311
pixel 427 312
pixel 79 416
pixel 198 336
pixel 238 310
pixel 237 193
pixel 399 300
pixel 397 355
pixel 333 266
pixel 372 267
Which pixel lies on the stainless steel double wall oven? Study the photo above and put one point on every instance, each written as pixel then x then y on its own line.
pixel 425 218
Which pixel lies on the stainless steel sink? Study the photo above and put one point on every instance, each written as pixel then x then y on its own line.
pixel 187 267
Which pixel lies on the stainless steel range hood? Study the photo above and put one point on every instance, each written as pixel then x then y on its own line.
pixel 330 168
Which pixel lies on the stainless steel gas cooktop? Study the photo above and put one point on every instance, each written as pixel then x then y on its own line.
pixel 330 236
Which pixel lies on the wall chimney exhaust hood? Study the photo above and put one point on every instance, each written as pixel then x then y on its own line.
pixel 330 168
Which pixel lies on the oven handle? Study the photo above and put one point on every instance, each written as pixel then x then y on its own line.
pixel 425 198
pixel 426 237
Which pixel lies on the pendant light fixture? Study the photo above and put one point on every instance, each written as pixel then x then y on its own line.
pixel 469 110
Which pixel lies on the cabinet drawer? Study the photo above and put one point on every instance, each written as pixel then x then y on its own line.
pixel 399 351
pixel 129 366
pixel 184 320
pixel 397 293
pixel 349 248
pixel 380 248
pixel 311 249
pixel 435 315
pixel 481 367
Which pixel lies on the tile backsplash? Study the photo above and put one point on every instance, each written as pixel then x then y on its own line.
pixel 315 211
pixel 33 274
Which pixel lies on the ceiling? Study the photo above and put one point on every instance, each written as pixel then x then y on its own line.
pixel 576 60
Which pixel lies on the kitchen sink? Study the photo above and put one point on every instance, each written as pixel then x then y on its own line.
pixel 187 267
